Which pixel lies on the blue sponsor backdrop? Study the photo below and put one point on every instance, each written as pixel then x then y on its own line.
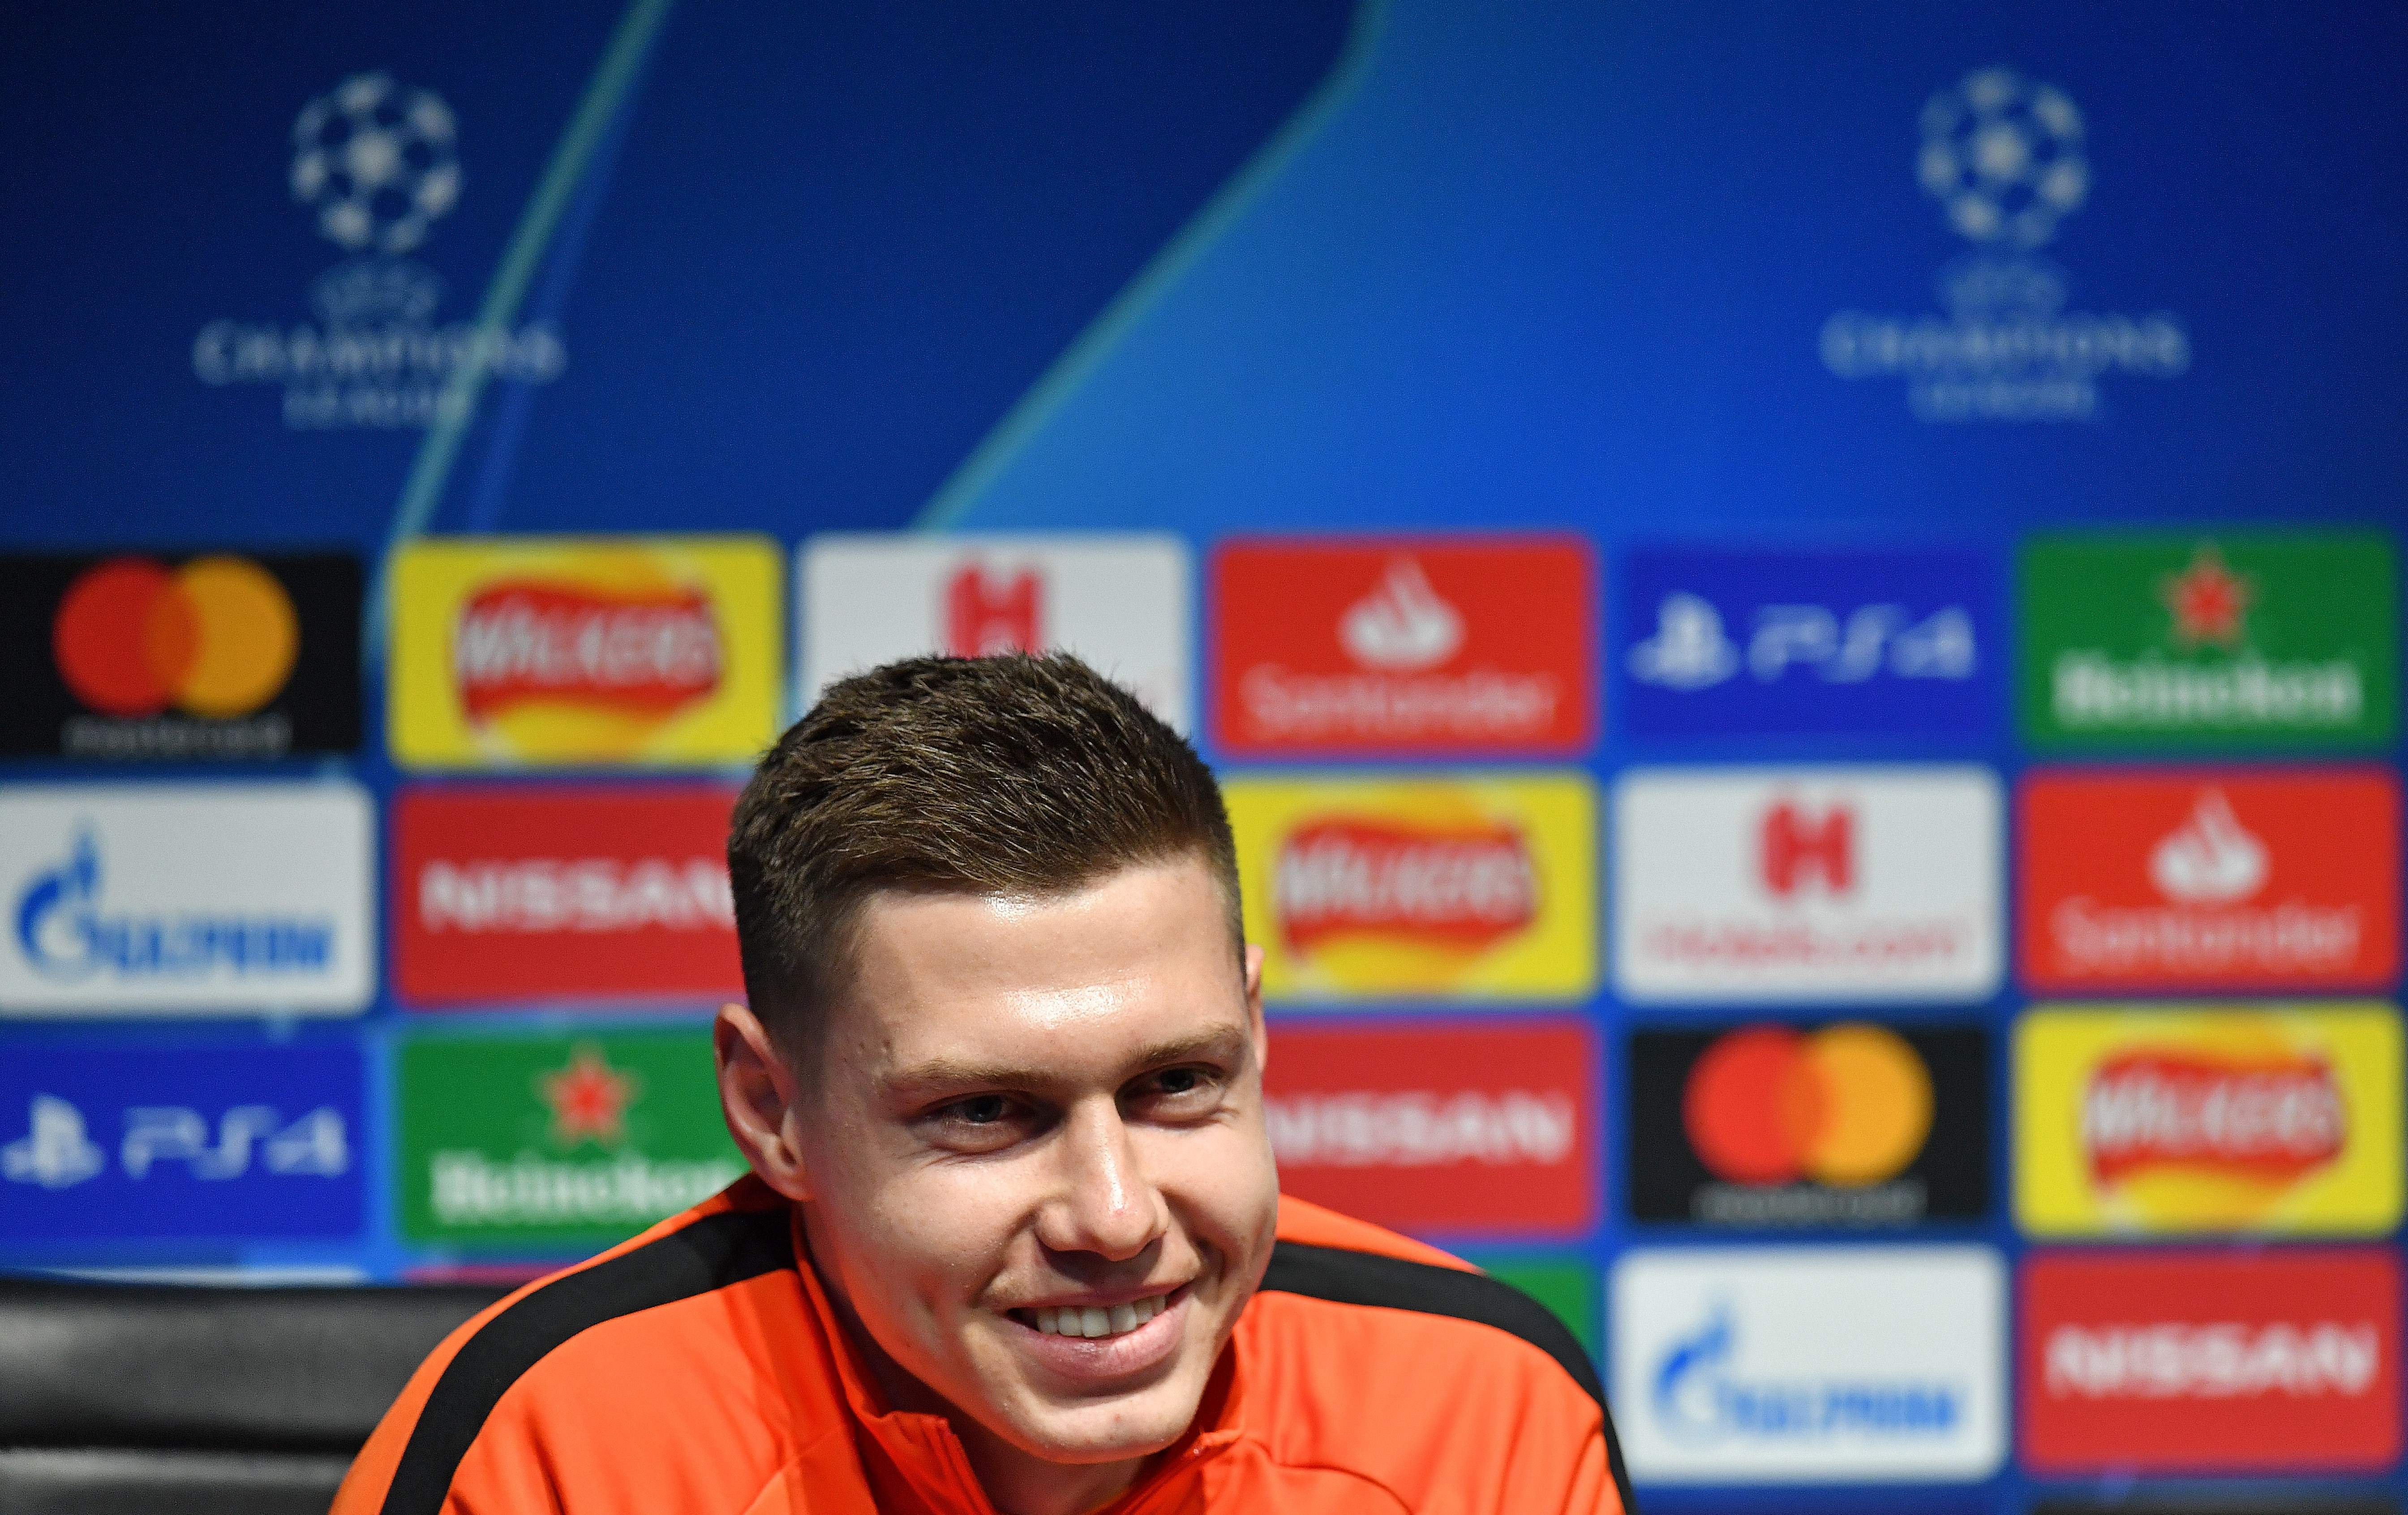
pixel 144 1150
pixel 1718 275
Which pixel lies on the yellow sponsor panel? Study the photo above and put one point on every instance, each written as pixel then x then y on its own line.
pixel 2274 1117
pixel 1462 888
pixel 635 650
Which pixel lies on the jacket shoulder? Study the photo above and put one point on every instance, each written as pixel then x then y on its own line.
pixel 576 1377
pixel 1393 1359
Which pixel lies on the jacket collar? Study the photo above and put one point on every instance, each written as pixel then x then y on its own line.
pixel 922 1452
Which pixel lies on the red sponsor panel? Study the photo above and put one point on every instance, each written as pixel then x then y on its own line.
pixel 2196 1362
pixel 1404 644
pixel 1439 1130
pixel 560 892
pixel 2210 879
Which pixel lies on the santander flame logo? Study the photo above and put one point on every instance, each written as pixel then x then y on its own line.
pixel 641 651
pixel 2275 1118
pixel 2210 859
pixel 1468 887
pixel 1402 626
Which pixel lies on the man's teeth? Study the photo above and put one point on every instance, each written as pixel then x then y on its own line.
pixel 1095 1320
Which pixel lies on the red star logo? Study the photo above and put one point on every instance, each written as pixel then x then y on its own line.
pixel 2207 599
pixel 589 1099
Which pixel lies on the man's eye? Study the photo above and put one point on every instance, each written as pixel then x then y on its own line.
pixel 1177 1080
pixel 984 1110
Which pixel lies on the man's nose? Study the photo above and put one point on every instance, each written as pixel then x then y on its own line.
pixel 1104 1202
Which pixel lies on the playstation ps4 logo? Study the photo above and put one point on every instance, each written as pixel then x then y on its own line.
pixel 1766 642
pixel 1690 649
pixel 57 1151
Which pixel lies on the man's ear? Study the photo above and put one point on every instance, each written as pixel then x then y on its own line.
pixel 1255 1005
pixel 757 1095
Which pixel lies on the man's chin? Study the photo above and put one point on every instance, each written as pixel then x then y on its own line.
pixel 1109 1430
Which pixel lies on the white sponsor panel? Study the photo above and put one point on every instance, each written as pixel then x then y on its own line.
pixel 1842 1365
pixel 1119 600
pixel 138 898
pixel 1750 884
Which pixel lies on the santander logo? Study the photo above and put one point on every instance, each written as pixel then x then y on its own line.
pixel 1468 887
pixel 641 651
pixel 1404 644
pixel 1402 626
pixel 2211 859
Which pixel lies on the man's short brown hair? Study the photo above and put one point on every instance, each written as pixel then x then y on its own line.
pixel 1011 775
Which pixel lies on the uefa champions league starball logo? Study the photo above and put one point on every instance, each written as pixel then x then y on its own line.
pixel 2004 157
pixel 378 161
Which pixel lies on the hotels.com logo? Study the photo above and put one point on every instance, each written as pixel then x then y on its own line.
pixel 1798 846
pixel 1470 886
pixel 2171 1362
pixel 1363 645
pixel 985 616
pixel 2137 880
pixel 1774 884
pixel 525 642
pixel 2270 1119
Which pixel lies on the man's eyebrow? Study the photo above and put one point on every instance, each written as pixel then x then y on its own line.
pixel 960 1073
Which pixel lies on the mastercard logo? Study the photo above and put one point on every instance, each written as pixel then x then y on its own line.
pixel 1846 1106
pixel 216 637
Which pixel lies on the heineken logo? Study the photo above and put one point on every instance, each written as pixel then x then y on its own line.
pixel 554 1140
pixel 2254 637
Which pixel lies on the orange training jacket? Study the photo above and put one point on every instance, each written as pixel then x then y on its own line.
pixel 697 1370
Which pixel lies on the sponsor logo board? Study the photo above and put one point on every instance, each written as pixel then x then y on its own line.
pixel 2245 639
pixel 2222 1499
pixel 128 899
pixel 1438 1130
pixel 2210 879
pixel 215 657
pixel 163 1143
pixel 1406 644
pixel 563 892
pixel 638 651
pixel 1478 886
pixel 2275 1118
pixel 556 1141
pixel 1843 1365
pixel 1119 600
pixel 1849 1124
pixel 2176 1362
pixel 1753 643
pixel 1747 884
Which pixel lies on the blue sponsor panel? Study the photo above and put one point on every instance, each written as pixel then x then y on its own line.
pixel 117 1141
pixel 1873 643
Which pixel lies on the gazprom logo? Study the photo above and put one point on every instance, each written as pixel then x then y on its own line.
pixel 1699 1397
pixel 66 932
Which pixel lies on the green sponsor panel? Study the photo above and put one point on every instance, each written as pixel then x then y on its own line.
pixel 2232 640
pixel 1565 1284
pixel 557 1142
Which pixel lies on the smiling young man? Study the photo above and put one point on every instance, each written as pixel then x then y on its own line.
pixel 1014 1242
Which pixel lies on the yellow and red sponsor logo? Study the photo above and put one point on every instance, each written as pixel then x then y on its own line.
pixel 653 650
pixel 1468 888
pixel 2273 1119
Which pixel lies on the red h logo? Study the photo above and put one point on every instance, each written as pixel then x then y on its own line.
pixel 1796 844
pixel 983 617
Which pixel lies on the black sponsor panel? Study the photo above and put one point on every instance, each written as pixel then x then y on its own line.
pixel 188 656
pixel 1846 1125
